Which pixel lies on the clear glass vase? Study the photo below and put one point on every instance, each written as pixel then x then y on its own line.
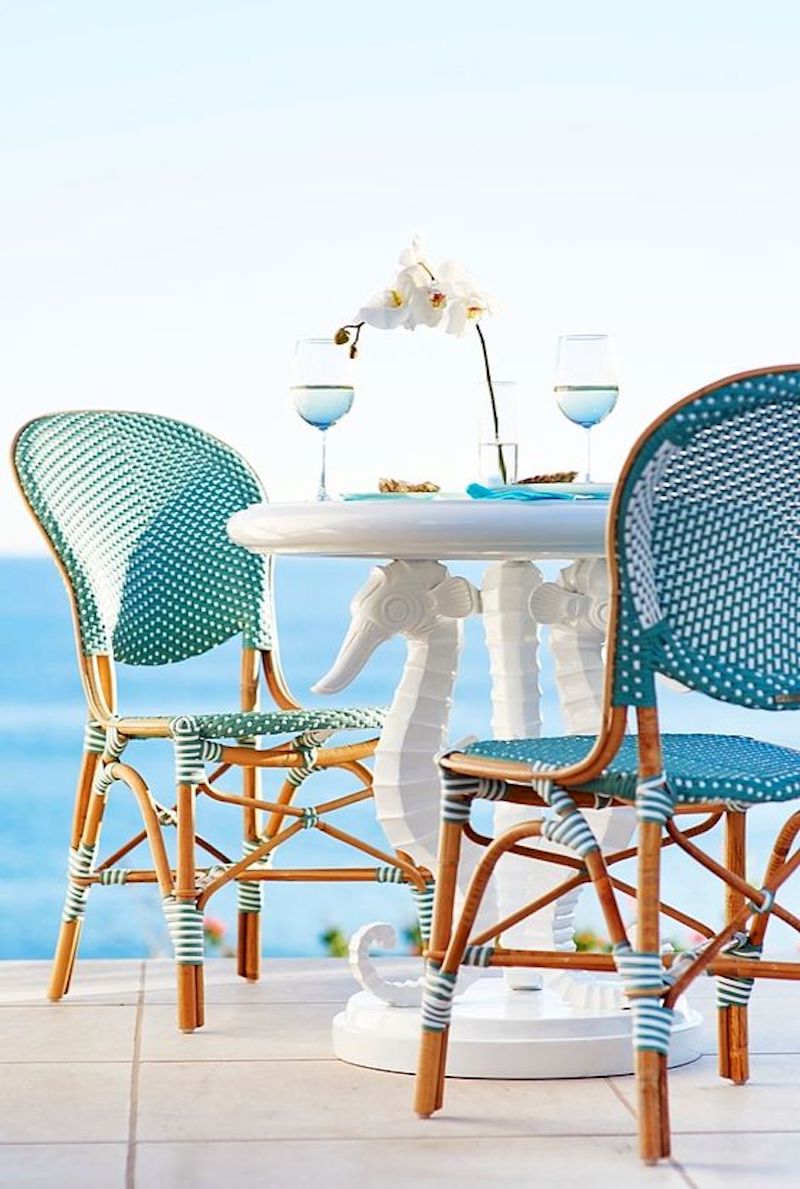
pixel 498 444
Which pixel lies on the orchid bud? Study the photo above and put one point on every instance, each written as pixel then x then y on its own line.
pixel 341 337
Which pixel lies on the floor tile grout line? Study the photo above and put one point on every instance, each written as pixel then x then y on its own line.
pixel 615 1090
pixel 62 1143
pixel 377 1139
pixel 130 1158
pixel 681 1171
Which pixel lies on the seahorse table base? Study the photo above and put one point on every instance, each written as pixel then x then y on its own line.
pixel 526 1024
pixel 500 1032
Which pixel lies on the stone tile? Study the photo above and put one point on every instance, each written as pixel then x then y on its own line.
pixel 67 1033
pixel 328 1099
pixel 425 1164
pixel 701 1102
pixel 743 1159
pixel 94 981
pixel 41 1166
pixel 64 1102
pixel 283 980
pixel 241 1032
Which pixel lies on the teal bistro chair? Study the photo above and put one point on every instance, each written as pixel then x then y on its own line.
pixel 135 509
pixel 704 554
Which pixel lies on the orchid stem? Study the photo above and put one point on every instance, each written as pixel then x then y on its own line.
pixel 495 418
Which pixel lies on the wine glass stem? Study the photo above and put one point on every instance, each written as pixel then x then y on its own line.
pixel 322 492
pixel 588 475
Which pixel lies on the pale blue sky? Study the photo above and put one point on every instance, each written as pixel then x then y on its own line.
pixel 189 186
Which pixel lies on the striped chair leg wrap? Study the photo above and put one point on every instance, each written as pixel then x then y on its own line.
pixel 732 989
pixel 308 745
pixel 424 905
pixel 457 794
pixel 94 738
pixel 477 955
pixel 79 866
pixel 248 892
pixel 185 925
pixel 437 999
pixel 103 779
pixel 296 776
pixel 113 875
pixel 654 801
pixel 188 750
pixel 389 875
pixel 541 782
pixel 643 978
pixel 114 744
pixel 491 790
pixel 569 827
pixel 652 1026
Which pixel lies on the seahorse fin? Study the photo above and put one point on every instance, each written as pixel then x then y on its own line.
pixel 456 598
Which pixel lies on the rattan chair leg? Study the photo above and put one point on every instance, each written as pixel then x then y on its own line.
pixel 199 996
pixel 189 972
pixel 651 1067
pixel 732 1030
pixel 429 1084
pixel 87 818
pixel 738 1044
pixel 187 997
pixel 248 938
pixel 428 1089
pixel 69 936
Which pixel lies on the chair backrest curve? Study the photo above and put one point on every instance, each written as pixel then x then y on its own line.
pixel 135 506
pixel 706 535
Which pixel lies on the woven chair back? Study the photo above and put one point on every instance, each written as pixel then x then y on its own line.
pixel 705 530
pixel 135 507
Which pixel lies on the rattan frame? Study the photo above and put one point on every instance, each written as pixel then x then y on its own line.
pixel 450 937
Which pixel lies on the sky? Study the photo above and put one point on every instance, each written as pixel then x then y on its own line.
pixel 189 186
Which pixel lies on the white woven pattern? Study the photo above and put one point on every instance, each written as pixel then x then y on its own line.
pixel 637 533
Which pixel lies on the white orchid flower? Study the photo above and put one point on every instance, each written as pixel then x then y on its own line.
pixel 466 302
pixel 387 309
pixel 420 297
pixel 466 311
pixel 429 301
pixel 416 254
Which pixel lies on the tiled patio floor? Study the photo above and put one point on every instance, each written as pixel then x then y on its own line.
pixel 102 1091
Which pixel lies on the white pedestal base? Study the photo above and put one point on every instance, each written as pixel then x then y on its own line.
pixel 501 1033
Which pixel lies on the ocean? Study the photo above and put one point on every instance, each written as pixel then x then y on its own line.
pixel 41 724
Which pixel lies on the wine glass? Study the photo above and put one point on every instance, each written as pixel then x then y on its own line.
pixel 586 385
pixel 321 388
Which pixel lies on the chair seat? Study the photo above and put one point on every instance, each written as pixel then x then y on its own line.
pixel 240 724
pixel 698 767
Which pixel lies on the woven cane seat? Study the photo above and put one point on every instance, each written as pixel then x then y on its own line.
pixel 698 768
pixel 240 724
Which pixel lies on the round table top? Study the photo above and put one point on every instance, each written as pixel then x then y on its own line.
pixel 426 530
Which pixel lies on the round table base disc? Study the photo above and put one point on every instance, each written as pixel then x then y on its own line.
pixel 501 1033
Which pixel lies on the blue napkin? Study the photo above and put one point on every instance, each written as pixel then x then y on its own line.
pixel 524 491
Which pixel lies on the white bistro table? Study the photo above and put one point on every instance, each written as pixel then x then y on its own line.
pixel 524 1023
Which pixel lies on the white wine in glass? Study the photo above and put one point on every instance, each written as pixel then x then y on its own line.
pixel 322 389
pixel 586 384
